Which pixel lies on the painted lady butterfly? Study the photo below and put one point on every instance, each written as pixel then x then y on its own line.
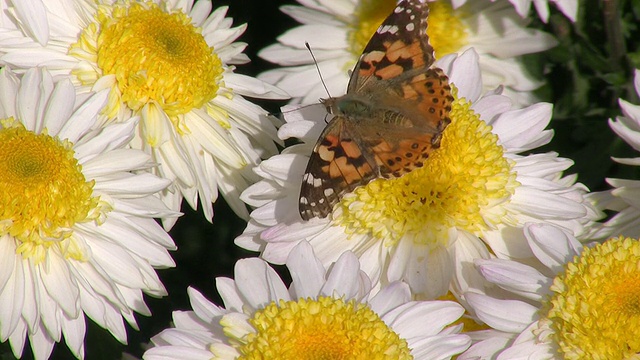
pixel 391 118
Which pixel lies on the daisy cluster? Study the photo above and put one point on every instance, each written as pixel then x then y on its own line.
pixel 116 113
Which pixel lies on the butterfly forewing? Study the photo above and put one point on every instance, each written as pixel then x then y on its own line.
pixel 399 44
pixel 391 118
pixel 336 167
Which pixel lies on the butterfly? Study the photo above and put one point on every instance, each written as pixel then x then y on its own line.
pixel 389 121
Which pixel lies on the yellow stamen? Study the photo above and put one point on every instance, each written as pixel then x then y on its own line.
pixel 447 32
pixel 44 192
pixel 594 309
pixel 461 185
pixel 326 328
pixel 156 57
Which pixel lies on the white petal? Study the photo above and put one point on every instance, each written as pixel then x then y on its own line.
pixel 177 352
pixel 516 128
pixel 258 283
pixel 490 106
pixel 60 106
pixel 318 37
pixel 569 8
pixel 486 348
pixel 515 277
pixel 390 297
pixel 74 331
pixel 57 280
pixel 200 11
pixel 84 117
pixel 230 297
pixel 205 309
pixel 440 346
pixel 133 185
pixel 343 280
pixel 552 246
pixel 33 90
pixel 305 15
pixel 41 344
pixel 307 272
pixel 33 16
pixel 12 299
pixel 250 86
pixel 543 205
pixel 532 350
pixel 506 315
pixel 9 85
pixel 465 74
pixel 628 128
pixel 466 248
pixel 542 7
pixel 411 317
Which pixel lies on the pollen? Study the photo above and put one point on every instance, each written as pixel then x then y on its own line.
pixel 447 32
pixel 44 192
pixel 594 309
pixel 156 57
pixel 463 184
pixel 326 328
pixel 368 16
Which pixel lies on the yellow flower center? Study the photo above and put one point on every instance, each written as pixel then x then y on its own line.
pixel 368 16
pixel 463 185
pixel 44 192
pixel 156 56
pixel 595 305
pixel 447 32
pixel 323 329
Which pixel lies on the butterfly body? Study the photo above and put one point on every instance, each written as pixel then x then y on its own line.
pixel 390 119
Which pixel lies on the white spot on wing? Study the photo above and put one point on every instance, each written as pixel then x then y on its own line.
pixel 388 29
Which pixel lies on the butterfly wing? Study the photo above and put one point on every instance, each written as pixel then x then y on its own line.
pixel 412 100
pixel 399 49
pixel 338 164
pixel 409 124
pixel 391 118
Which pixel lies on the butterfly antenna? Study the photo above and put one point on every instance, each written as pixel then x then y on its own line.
pixel 317 68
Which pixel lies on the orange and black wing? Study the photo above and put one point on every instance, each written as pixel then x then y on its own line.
pixel 338 164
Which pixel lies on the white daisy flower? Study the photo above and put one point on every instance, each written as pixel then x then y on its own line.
pixel 77 230
pixel 581 304
pixel 169 62
pixel 323 315
pixel 624 198
pixel 471 197
pixel 338 31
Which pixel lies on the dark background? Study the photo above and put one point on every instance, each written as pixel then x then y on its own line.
pixel 586 75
